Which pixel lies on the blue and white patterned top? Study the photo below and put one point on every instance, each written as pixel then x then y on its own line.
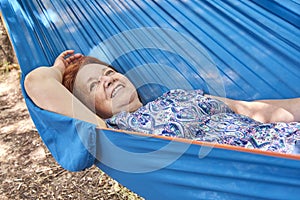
pixel 190 114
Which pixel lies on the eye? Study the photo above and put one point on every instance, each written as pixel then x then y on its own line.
pixel 109 72
pixel 93 85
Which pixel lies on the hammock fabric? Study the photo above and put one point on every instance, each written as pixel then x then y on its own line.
pixel 239 49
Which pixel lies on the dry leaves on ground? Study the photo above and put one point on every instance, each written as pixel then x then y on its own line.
pixel 27 169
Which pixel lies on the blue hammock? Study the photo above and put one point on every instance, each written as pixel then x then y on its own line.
pixel 238 49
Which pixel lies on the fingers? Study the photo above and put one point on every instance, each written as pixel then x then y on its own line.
pixel 68 56
pixel 73 58
pixel 66 53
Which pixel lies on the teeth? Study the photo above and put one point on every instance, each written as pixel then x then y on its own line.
pixel 115 91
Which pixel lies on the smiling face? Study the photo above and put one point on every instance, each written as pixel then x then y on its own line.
pixel 105 90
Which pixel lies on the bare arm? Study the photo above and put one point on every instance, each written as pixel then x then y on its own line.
pixel 283 110
pixel 44 86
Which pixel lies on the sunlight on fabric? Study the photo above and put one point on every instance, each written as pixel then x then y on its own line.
pixel 164 40
pixel 49 17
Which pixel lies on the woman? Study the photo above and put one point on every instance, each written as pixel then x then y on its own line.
pixel 178 113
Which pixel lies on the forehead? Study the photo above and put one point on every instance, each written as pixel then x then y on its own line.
pixel 90 71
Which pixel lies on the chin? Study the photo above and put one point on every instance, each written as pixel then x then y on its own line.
pixel 104 116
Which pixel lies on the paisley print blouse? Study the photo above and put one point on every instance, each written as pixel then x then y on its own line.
pixel 190 114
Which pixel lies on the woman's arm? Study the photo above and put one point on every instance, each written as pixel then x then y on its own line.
pixel 281 110
pixel 44 86
pixel 266 111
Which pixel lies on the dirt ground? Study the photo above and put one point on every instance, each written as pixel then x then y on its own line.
pixel 27 169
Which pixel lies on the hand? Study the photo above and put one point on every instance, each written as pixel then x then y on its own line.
pixel 66 58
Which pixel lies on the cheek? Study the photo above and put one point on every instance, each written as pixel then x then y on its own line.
pixel 102 106
pixel 99 97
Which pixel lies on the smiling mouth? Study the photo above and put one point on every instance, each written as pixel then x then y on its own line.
pixel 116 90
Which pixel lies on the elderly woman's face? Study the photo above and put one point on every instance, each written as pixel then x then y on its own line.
pixel 105 90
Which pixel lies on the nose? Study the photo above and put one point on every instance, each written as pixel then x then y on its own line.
pixel 106 80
